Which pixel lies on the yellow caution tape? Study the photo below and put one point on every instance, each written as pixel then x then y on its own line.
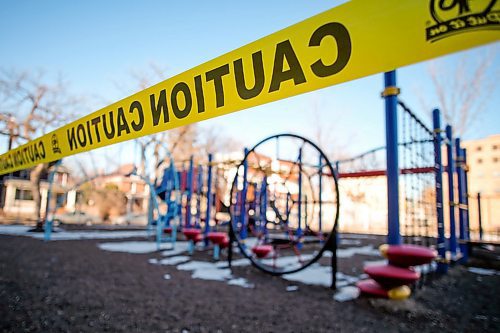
pixel 351 41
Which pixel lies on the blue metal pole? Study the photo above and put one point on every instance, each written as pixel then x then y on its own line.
pixel 299 206
pixel 438 169
pixel 391 133
pixel 209 198
pixel 189 187
pixel 450 170
pixel 466 187
pixel 461 200
pixel 199 189
pixel 263 205
pixel 243 211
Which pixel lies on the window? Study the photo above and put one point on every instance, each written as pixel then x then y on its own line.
pixel 479 160
pixel 479 148
pixel 24 194
pixel 494 147
pixel 495 159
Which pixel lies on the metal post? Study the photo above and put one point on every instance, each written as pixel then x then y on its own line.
pixel 243 211
pixel 199 192
pixel 461 200
pixel 391 132
pixel 479 217
pixel 209 198
pixel 263 206
pixel 189 187
pixel 451 191
pixel 438 169
pixel 48 218
pixel 466 188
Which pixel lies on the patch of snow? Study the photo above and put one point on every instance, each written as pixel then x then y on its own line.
pixel 241 282
pixel 375 263
pixel 292 288
pixel 213 273
pixel 364 250
pixel 483 271
pixel 238 263
pixel 346 294
pixel 129 247
pixel 314 275
pixel 18 230
pixel 180 247
pixel 350 242
pixel 153 261
pixel 174 260
pixel 167 277
pixel 196 265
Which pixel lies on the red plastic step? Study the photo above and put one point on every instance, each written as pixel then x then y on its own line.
pixel 389 276
pixel 217 237
pixel 262 250
pixel 409 255
pixel 370 287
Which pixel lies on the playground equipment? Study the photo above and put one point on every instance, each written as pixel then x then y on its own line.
pixel 392 280
pixel 284 210
pixel 166 188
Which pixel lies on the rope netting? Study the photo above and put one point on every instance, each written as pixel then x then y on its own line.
pixel 417 180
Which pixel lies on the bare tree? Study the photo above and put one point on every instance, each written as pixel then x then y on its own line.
pixel 463 89
pixel 31 105
pixel 326 136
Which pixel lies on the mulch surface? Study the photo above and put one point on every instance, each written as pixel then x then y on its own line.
pixel 73 286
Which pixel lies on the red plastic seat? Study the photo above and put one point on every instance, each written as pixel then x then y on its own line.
pixel 225 243
pixel 217 237
pixel 167 230
pixel 262 250
pixel 193 234
pixel 370 287
pixel 389 276
pixel 409 255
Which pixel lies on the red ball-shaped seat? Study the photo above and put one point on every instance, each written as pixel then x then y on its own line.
pixel 262 251
pixel 409 255
pixel 389 276
pixel 217 237
pixel 192 234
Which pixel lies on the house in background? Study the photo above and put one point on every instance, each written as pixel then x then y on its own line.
pixel 16 197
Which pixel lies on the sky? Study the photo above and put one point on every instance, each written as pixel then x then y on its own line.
pixel 96 45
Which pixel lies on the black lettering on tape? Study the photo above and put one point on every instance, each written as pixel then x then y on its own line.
pixel 184 88
pixel 216 76
pixel 344 47
pixel 111 133
pixel 80 135
pixel 95 121
pixel 258 73
pixel 158 108
pixel 137 125
pixel 121 121
pixel 200 98
pixel 284 51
